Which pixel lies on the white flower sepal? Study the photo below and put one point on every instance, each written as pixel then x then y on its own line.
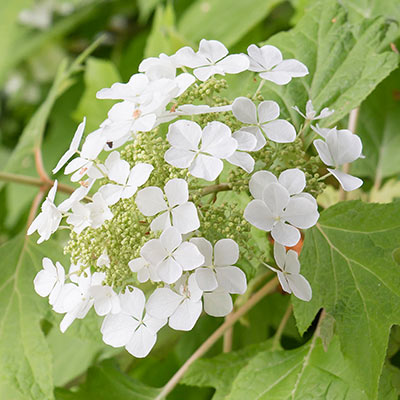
pixel 126 180
pixel 202 159
pixel 218 277
pixel 246 142
pixel 311 114
pixel 183 306
pixel 340 147
pixel 280 207
pixel 50 280
pixel 212 58
pixel 270 65
pixel 131 327
pixel 49 218
pixel 263 121
pixel 73 146
pixel 183 212
pixel 171 255
pixel 289 273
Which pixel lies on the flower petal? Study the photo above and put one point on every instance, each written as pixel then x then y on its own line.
pixel 242 160
pixel 232 279
pixel 244 110
pixel 150 201
pixel 206 279
pixel 188 256
pixel 171 239
pixel 169 270
pixel 259 181
pixel 268 111
pixel 234 63
pixel 280 131
pixel 217 303
pixel 132 302
pixel 205 249
pixel 285 234
pixel 226 252
pixel 141 342
pixel 179 158
pixel 324 152
pixel 186 315
pixel 300 286
pixel 176 191
pixel 292 264
pixel 348 182
pixel 161 222
pixel 213 50
pixel 280 255
pixel 117 329
pixel 217 140
pixel 184 134
pixel 153 251
pixel 259 215
pixel 301 212
pixel 292 67
pixel 206 167
pixel 276 197
pixel 293 180
pixel 185 218
pixel 162 303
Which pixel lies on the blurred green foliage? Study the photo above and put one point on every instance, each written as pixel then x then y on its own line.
pixel 349 46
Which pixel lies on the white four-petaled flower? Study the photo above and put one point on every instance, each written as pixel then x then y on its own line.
pixel 263 121
pixel 201 151
pixel 132 327
pixel 289 273
pixel 280 207
pixel 270 65
pixel 171 255
pixel 311 114
pixel 212 58
pixel 183 212
pixel 339 147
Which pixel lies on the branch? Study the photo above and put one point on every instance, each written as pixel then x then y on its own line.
pixel 220 187
pixel 253 300
pixel 278 334
pixel 32 181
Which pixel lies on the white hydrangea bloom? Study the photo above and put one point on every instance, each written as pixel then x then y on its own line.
pixel 311 114
pixel 76 140
pixel 212 58
pixel 270 65
pixel 263 121
pixel 99 211
pixel 171 255
pixel 280 207
pixel 50 280
pixel 183 212
pixel 340 147
pixel 48 220
pixel 289 273
pixel 201 151
pixel 79 218
pixel 131 327
pixel 217 276
pixel 77 195
pixel 183 306
pixel 127 180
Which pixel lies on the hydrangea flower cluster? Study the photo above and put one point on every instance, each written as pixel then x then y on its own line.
pixel 151 241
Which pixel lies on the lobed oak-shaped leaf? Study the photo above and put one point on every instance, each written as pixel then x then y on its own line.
pixel 349 260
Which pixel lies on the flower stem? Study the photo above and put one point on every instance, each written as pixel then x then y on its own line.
pixel 32 181
pixel 278 334
pixel 324 176
pixel 220 187
pixel 253 300
pixel 259 89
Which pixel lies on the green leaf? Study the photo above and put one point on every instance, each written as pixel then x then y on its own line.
pixel 106 381
pixel 220 371
pixel 224 20
pixel 98 74
pixel 378 127
pixel 163 37
pixel 25 359
pixel 344 66
pixel 348 260
pixel 304 373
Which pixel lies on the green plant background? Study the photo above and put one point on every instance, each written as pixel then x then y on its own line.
pixel 352 259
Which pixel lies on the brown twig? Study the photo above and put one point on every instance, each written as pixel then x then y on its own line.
pixel 251 302
pixel 278 334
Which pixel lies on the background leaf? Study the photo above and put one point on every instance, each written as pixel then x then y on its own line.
pixel 348 260
pixel 25 359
